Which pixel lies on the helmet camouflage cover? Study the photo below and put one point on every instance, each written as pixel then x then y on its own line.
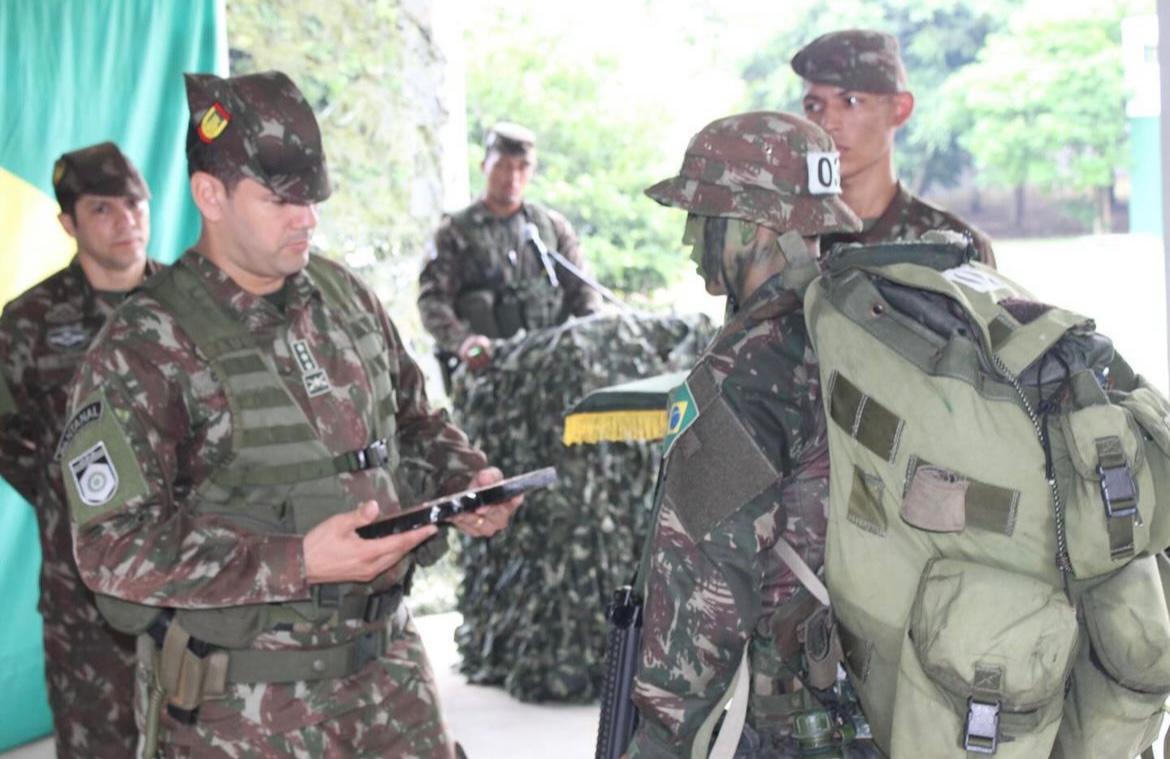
pixel 773 169
pixel 257 126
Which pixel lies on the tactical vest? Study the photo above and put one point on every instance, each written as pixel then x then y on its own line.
pixel 280 478
pixel 999 501
pixel 526 302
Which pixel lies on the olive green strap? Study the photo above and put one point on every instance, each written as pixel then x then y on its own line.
pixel 1120 508
pixel 863 418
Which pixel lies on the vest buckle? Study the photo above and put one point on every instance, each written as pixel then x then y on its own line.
pixel 981 734
pixel 374 455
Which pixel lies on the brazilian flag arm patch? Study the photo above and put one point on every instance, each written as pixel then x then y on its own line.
pixel 681 412
pixel 100 470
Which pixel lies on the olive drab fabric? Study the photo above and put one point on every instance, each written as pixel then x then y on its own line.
pixel 215 429
pixel 999 499
pixel 44 333
pixel 533 597
pixel 484 276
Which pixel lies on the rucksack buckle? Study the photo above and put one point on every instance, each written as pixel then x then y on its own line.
pixel 981 734
pixel 1118 490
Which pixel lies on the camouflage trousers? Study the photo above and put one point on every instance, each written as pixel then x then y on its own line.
pixel 395 713
pixel 89 671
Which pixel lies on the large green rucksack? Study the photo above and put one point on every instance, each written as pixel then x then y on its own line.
pixel 1000 501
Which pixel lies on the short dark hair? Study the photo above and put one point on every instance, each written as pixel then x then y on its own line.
pixel 201 157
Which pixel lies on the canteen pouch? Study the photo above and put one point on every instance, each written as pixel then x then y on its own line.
pixel 1107 489
pixel 1122 675
pixel 1151 411
pixel 984 664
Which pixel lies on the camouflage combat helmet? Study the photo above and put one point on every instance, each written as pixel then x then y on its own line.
pixel 862 60
pixel 773 169
pixel 257 126
pixel 100 169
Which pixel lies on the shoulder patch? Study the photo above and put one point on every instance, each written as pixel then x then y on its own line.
pixel 88 413
pixel 681 412
pixel 98 465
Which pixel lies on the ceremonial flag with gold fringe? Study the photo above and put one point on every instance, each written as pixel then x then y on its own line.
pixel 630 411
pixel 76 73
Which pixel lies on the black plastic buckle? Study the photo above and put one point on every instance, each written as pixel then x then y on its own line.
pixel 1118 490
pixel 981 735
pixel 366 648
pixel 374 455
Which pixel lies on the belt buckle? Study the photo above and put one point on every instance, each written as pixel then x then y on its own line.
pixel 377 453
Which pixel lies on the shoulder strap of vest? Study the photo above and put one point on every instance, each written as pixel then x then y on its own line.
pixel 213 330
pixel 335 288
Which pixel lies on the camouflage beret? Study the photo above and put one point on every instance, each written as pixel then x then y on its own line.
pixel 257 126
pixel 100 169
pixel 853 59
pixel 773 169
pixel 510 138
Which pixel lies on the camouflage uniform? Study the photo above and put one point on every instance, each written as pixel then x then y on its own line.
pixel 861 60
pixel 170 533
pixel 746 466
pixel 475 250
pixel 89 667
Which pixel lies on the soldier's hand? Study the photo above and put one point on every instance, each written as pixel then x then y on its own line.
pixel 335 553
pixel 476 352
pixel 487 521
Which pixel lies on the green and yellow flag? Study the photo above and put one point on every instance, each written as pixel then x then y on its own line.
pixel 74 73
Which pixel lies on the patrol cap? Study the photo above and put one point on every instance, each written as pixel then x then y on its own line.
pixel 99 169
pixel 509 138
pixel 774 169
pixel 257 126
pixel 862 60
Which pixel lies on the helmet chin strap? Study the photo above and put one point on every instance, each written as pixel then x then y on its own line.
pixel 732 296
pixel 802 267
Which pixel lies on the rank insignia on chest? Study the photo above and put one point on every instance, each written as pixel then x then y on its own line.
pixel 68 337
pixel 312 375
pixel 95 476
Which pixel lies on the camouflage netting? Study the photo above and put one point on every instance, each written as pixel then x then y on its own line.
pixel 533 597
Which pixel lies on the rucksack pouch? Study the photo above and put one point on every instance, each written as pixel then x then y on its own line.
pixel 1151 411
pixel 1109 498
pixel 1122 677
pixel 983 666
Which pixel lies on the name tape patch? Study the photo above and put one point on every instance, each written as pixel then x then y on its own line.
pixel 94 475
pixel 88 413
pixel 824 173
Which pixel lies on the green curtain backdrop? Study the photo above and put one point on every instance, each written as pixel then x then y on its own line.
pixel 76 72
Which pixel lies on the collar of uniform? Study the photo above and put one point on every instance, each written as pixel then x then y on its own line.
pixel 252 310
pixel 481 215
pixel 772 299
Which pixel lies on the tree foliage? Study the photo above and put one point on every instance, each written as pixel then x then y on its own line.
pixel 1044 103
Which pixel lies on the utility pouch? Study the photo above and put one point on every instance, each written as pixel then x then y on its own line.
pixel 1122 677
pixel 509 312
pixel 984 664
pixel 1151 411
pixel 478 308
pixel 1109 492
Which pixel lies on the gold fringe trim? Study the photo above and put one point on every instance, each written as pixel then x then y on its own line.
pixel 614 426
